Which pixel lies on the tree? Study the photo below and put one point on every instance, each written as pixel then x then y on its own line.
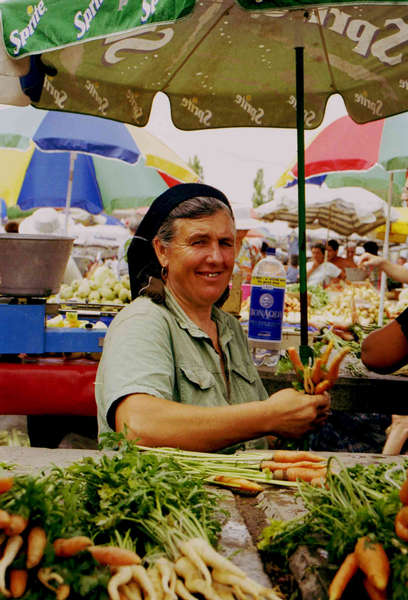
pixel 195 164
pixel 258 197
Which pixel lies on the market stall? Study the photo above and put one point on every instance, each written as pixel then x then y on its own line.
pixel 250 519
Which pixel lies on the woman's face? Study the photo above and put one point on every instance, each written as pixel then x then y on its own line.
pixel 200 258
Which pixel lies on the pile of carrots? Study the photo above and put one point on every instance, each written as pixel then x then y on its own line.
pixel 19 539
pixel 319 376
pixel 370 557
pixel 290 465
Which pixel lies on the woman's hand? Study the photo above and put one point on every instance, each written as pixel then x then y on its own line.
pixel 292 413
pixel 371 261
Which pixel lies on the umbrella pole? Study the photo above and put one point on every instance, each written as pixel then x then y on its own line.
pixel 72 159
pixel 300 127
pixel 385 251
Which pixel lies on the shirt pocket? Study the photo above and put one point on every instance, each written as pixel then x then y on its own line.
pixel 197 386
pixel 245 371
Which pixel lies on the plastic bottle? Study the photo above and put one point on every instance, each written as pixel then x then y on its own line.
pixel 268 284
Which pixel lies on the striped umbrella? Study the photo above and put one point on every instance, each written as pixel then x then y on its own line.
pixel 345 210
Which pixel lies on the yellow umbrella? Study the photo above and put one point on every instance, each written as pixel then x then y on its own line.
pixel 398 229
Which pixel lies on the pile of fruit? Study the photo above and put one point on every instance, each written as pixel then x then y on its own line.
pixel 100 286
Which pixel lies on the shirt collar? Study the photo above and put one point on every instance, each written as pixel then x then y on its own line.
pixel 185 322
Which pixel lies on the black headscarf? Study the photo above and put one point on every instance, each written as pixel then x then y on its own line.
pixel 142 260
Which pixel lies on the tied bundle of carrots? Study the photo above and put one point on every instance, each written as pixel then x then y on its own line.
pixel 318 377
pixel 369 556
pixel 291 465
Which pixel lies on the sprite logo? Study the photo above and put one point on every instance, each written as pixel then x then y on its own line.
pixel 19 38
pixel 83 20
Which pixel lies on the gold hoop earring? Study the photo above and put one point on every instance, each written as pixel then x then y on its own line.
pixel 164 272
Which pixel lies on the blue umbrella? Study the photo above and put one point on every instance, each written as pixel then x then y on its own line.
pixel 35 192
pixel 66 159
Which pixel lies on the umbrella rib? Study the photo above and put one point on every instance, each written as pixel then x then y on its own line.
pixel 326 54
pixel 199 42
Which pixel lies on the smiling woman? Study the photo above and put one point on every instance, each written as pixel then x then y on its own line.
pixel 176 369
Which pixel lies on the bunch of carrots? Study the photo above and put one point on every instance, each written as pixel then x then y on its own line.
pixel 21 539
pixel 290 465
pixel 370 557
pixel 180 563
pixel 319 376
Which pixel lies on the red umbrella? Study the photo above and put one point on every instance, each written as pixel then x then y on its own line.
pixel 347 146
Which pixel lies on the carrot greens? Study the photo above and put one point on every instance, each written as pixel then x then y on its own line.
pixel 356 502
pixel 108 525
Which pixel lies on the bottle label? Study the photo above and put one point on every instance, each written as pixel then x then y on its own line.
pixel 266 311
pixel 268 282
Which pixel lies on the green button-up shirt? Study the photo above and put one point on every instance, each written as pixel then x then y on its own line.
pixel 157 350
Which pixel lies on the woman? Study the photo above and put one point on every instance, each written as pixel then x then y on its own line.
pixel 176 370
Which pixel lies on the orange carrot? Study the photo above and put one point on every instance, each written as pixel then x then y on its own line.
pixel 16 525
pixel 66 547
pixel 293 474
pixel 373 561
pixel 318 481
pixel 18 582
pixel 306 464
pixel 292 456
pixel 295 360
pixel 4 519
pixel 323 386
pixel 401 524
pixel 403 494
pixel 62 592
pixel 373 592
pixel 36 543
pixel 346 571
pixel 6 484
pixel 239 482
pixel 325 356
pixel 317 371
pixel 334 367
pixel 114 556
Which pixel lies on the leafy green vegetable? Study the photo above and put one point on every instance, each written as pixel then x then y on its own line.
pixel 357 501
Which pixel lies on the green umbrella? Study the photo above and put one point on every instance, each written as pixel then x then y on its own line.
pixel 222 63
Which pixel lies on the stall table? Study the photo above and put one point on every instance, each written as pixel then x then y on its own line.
pixel 247 515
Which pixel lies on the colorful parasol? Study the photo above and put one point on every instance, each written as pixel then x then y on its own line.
pixel 116 165
pixel 244 63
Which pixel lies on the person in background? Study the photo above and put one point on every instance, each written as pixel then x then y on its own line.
pixel 351 256
pixel 176 370
pixel 247 253
pixel 371 247
pixel 373 267
pixel 292 272
pixel 332 249
pixel 11 227
pixel 264 248
pixel 402 260
pixel 122 264
pixel 319 271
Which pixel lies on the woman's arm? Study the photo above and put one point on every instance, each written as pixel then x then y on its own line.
pixel 394 271
pixel 386 349
pixel 155 421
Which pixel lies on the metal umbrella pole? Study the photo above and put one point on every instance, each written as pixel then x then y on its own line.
pixel 304 349
pixel 385 252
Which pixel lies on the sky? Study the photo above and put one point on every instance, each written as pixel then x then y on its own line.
pixel 231 157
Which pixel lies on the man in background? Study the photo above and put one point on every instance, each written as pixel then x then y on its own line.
pixel 333 257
